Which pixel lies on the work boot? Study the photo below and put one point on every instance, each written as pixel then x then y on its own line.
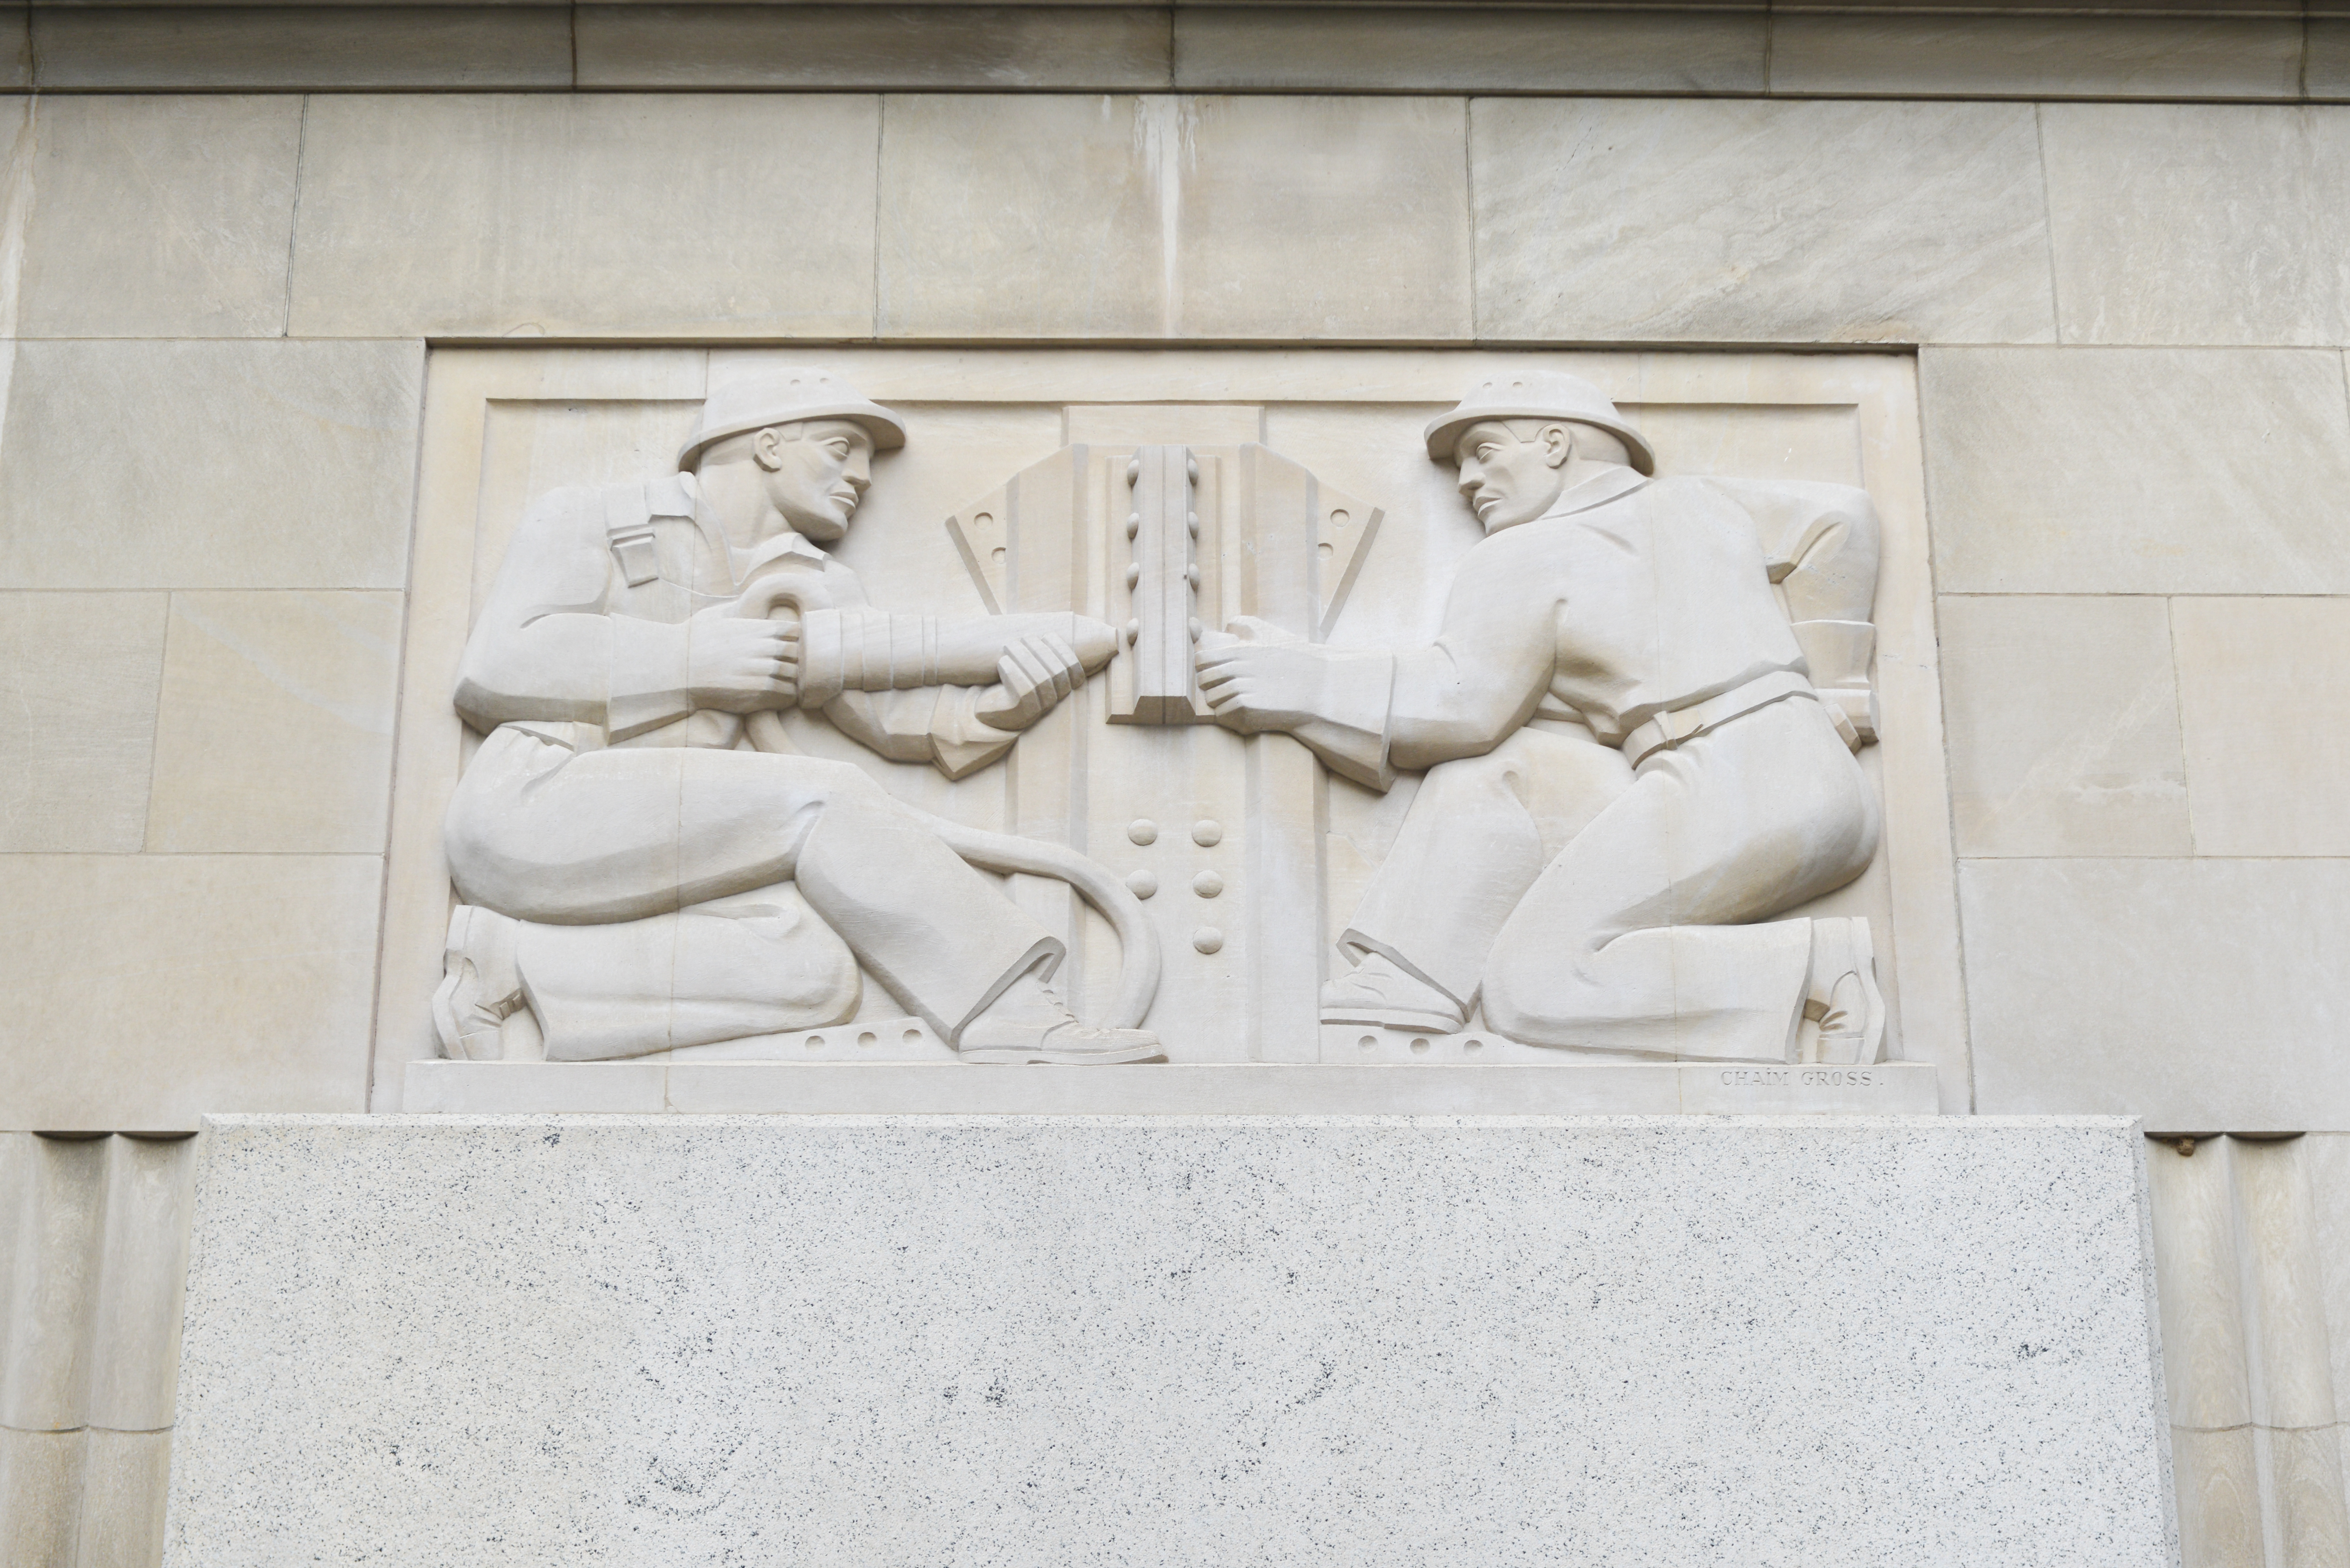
pixel 1379 991
pixel 481 987
pixel 1029 1022
pixel 1841 996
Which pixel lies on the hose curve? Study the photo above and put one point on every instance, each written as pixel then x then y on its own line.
pixel 1137 966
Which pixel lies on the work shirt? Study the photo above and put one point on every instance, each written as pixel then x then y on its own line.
pixel 582 641
pixel 1628 598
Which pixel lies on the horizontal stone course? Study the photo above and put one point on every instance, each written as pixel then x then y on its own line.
pixel 2224 51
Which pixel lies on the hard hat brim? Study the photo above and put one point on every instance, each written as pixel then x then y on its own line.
pixel 879 423
pixel 1445 430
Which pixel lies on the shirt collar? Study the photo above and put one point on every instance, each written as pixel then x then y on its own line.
pixel 742 563
pixel 1610 483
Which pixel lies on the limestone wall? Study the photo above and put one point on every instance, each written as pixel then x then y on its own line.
pixel 228 237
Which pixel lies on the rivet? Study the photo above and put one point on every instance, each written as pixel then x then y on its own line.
pixel 1141 884
pixel 1133 573
pixel 1133 469
pixel 1207 833
pixel 1207 884
pixel 1133 523
pixel 1143 830
pixel 1208 940
pixel 1133 632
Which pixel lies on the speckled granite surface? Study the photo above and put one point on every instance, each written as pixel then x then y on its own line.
pixel 1045 1341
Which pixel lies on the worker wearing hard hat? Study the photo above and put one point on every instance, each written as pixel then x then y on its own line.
pixel 639 878
pixel 1629 762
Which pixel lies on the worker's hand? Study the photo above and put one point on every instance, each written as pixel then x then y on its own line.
pixel 1263 679
pixel 740 666
pixel 1035 673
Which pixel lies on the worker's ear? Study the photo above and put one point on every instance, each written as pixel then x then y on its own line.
pixel 767 447
pixel 1558 443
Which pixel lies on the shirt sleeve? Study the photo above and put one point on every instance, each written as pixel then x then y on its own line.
pixel 545 647
pixel 1488 668
pixel 936 724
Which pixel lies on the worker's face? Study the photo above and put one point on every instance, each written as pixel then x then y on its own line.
pixel 1507 481
pixel 815 473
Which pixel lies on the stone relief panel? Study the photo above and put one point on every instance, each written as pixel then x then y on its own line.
pixel 1040 706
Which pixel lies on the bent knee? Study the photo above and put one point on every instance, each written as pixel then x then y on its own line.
pixel 1530 991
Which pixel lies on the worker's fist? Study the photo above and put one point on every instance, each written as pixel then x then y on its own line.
pixel 740 666
pixel 1035 673
pixel 1261 679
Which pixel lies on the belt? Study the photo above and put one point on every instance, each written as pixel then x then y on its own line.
pixel 1666 731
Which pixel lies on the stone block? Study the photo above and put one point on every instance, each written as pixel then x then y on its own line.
pixel 495 215
pixel 78 678
pixel 125 1482
pixel 2199 222
pixel 1601 219
pixel 2263 707
pixel 56 1190
pixel 2063 722
pixel 146 989
pixel 2204 1358
pixel 2217 1483
pixel 2195 993
pixel 40 1498
pixel 1062 231
pixel 2136 471
pixel 1320 217
pixel 1349 1341
pixel 142 1271
pixel 1428 48
pixel 159 217
pixel 2327 1156
pixel 994 48
pixel 261 464
pixel 2094 55
pixel 274 731
pixel 230 49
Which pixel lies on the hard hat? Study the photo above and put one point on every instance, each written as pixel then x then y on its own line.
pixel 782 397
pixel 1546 395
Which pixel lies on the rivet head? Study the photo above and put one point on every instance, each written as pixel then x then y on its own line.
pixel 1141 884
pixel 1133 632
pixel 1191 468
pixel 1207 833
pixel 1196 628
pixel 1207 884
pixel 1208 940
pixel 1133 573
pixel 1133 469
pixel 1143 830
pixel 1191 575
pixel 1133 523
